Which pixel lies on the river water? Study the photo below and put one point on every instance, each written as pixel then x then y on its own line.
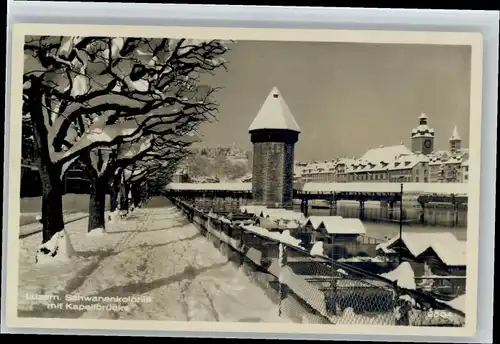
pixel 376 218
pixel 383 230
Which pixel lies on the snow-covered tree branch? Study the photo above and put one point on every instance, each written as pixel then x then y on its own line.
pixel 87 96
pixel 109 164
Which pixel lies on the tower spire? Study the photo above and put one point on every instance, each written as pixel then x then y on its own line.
pixel 454 135
pixel 274 114
pixel 423 118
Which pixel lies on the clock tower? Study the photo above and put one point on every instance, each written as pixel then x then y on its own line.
pixel 422 137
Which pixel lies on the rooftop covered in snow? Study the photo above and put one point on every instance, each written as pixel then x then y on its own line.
pixel 274 114
pixel 445 245
pixel 252 209
pixel 336 224
pixel 385 153
pixel 401 162
pixel 315 221
pixel 279 213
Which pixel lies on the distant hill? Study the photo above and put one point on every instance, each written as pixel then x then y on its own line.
pixel 226 164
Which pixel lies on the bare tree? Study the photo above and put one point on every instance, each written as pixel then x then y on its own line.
pixel 153 173
pixel 109 166
pixel 82 93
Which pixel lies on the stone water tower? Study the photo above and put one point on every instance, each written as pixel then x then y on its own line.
pixel 273 133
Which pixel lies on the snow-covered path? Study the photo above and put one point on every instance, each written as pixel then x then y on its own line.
pixel 155 256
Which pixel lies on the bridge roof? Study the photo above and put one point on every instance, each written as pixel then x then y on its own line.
pixel 210 186
pixel 432 188
pixel 438 188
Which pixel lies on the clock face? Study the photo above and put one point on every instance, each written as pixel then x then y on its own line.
pixel 427 143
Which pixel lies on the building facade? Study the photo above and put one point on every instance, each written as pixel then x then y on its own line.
pixel 396 164
pixel 465 170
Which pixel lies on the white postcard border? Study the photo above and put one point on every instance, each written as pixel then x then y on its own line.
pixel 473 39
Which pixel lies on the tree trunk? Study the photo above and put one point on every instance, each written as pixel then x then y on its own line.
pixel 113 199
pixel 124 197
pixel 52 205
pixel 50 173
pixel 144 193
pixel 97 203
pixel 136 195
pixel 134 190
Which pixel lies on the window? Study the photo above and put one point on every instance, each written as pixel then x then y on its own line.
pixel 466 177
pixel 417 179
pixel 426 179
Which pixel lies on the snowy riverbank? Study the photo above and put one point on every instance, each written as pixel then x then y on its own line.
pixel 156 261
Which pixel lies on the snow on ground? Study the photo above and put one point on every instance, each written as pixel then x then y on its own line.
pixel 31 207
pixel 458 303
pixel 403 275
pixel 284 237
pixel 317 249
pixel 36 226
pixel 59 245
pixel 157 257
pixel 29 217
pixel 377 259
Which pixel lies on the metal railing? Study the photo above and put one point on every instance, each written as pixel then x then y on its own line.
pixel 314 288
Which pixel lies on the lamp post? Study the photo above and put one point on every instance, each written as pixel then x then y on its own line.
pixel 400 223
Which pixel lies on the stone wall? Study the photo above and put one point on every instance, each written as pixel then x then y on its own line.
pixel 272 179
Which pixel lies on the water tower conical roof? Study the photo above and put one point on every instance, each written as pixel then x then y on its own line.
pixel 274 114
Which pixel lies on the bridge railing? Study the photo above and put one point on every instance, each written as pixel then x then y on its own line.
pixel 311 287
